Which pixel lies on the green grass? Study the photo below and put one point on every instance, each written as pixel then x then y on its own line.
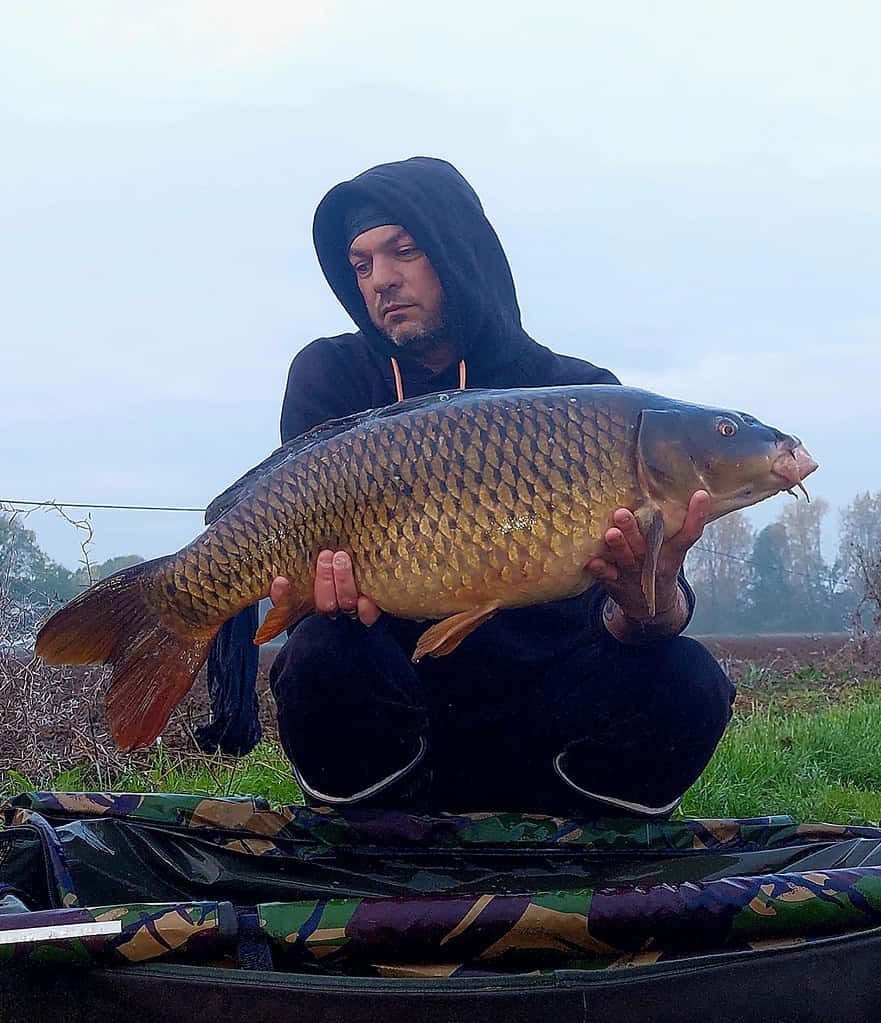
pixel 818 762
pixel 821 766
pixel 263 772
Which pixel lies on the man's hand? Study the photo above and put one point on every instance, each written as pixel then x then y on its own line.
pixel 626 614
pixel 335 589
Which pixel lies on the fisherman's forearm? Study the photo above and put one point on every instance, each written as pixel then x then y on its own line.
pixel 667 622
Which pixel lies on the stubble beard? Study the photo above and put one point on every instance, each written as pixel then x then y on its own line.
pixel 423 341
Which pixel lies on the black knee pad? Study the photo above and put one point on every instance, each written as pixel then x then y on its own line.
pixel 350 716
pixel 688 676
pixel 645 766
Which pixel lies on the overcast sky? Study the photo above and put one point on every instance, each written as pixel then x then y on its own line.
pixel 688 193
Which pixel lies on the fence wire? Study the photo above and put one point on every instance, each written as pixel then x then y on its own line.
pixel 176 508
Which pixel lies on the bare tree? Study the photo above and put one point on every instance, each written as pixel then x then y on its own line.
pixel 860 557
pixel 814 578
pixel 719 570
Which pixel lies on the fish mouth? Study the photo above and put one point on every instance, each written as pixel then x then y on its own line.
pixel 793 464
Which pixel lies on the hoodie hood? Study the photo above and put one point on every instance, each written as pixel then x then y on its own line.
pixel 442 212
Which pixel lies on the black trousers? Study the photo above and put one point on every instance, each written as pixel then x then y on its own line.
pixel 602 728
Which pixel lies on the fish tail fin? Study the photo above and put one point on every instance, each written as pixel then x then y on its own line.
pixel 124 621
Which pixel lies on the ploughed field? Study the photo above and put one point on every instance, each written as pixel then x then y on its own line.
pixel 778 649
pixel 804 738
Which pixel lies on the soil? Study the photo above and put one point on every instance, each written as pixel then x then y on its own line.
pixel 780 651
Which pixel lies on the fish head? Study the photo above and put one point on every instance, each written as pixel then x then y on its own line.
pixel 736 458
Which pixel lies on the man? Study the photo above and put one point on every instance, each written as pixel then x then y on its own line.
pixel 584 705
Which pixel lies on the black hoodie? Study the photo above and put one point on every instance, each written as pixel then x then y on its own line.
pixel 337 376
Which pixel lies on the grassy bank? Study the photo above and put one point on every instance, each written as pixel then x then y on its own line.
pixel 264 772
pixel 798 753
pixel 821 765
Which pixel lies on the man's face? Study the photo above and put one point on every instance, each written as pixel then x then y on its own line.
pixel 400 288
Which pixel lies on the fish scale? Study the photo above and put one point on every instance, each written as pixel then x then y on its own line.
pixel 450 478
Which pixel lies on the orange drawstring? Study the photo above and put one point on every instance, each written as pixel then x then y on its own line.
pixel 399 387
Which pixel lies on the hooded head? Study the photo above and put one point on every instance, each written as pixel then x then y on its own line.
pixel 440 211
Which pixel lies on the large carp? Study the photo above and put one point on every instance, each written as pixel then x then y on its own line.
pixel 451 506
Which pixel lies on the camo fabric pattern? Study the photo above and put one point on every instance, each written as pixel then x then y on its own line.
pixel 425 933
pixel 590 929
pixel 193 931
pixel 324 827
pixel 599 928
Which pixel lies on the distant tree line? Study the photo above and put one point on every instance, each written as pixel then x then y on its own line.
pixel 27 573
pixel 777 580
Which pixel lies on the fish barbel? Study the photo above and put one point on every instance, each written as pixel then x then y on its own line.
pixel 451 506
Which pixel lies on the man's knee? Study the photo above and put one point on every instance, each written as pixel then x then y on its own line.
pixel 349 715
pixel 645 762
pixel 693 685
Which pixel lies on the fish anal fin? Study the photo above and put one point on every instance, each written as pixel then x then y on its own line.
pixel 443 637
pixel 651 523
pixel 277 620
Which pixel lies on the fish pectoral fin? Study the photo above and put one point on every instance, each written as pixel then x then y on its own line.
pixel 443 637
pixel 277 620
pixel 652 527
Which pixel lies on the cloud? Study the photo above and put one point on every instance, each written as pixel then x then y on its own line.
pixel 807 382
pixel 95 57
pixel 188 35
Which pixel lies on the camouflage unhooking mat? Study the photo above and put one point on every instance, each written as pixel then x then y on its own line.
pixel 177 907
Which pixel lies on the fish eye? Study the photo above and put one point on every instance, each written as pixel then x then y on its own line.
pixel 727 427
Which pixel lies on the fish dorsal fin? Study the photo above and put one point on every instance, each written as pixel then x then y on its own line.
pixel 295 446
pixel 651 524
pixel 324 431
pixel 236 491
